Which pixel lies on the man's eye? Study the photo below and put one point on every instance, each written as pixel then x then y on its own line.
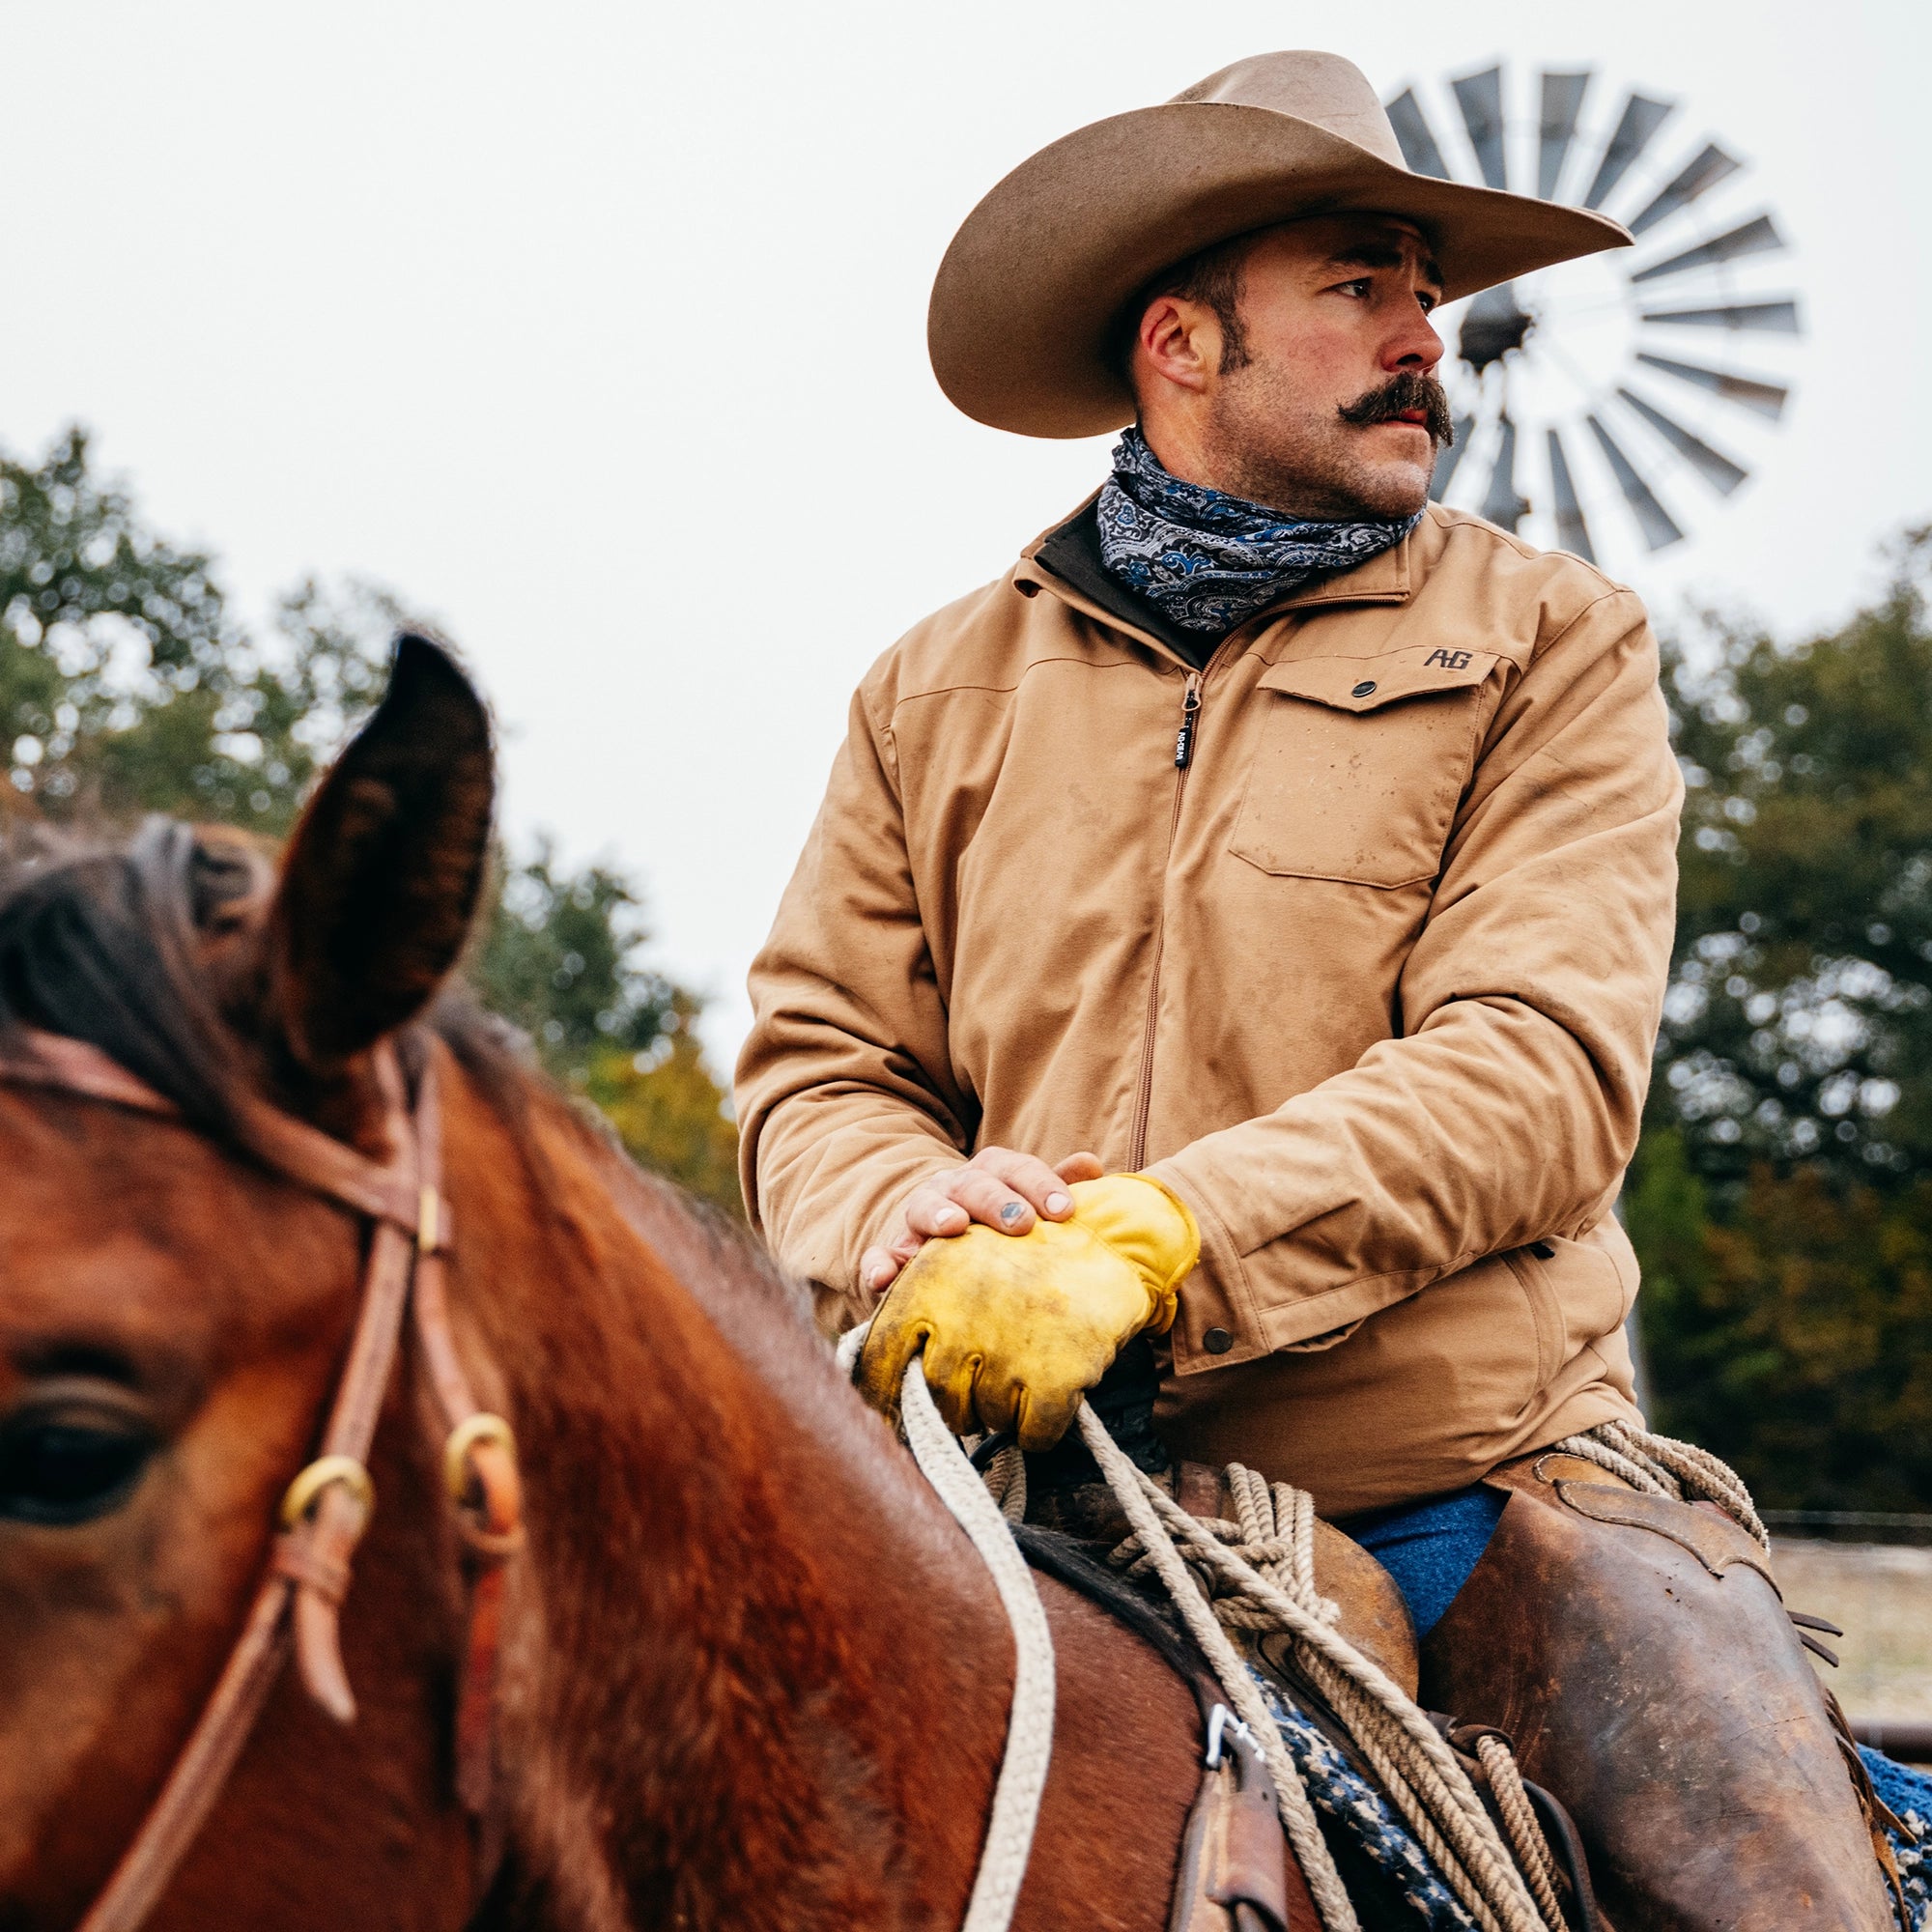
pixel 66 1472
pixel 1428 301
pixel 1362 286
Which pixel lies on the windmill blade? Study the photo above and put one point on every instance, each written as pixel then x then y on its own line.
pixel 1447 460
pixel 1501 502
pixel 1480 96
pixel 1572 533
pixel 1562 102
pixel 1702 175
pixel 1415 137
pixel 1641 118
pixel 1652 518
pixel 1717 470
pixel 1780 318
pixel 1754 238
pixel 1765 399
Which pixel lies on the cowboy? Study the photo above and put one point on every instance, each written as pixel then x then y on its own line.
pixel 1245 923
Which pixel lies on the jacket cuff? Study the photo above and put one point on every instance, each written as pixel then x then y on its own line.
pixel 1217 1325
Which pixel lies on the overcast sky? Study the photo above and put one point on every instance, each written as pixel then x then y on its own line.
pixel 598 330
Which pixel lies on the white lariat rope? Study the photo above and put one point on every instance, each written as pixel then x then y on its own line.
pixel 945 1464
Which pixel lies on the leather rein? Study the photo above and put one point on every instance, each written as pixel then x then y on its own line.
pixel 327 1507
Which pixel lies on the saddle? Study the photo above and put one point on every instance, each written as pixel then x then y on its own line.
pixel 1633 1651
pixel 1234 1840
pixel 1236 1872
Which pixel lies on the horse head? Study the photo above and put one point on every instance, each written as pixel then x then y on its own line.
pixel 173 1312
pixel 750 1672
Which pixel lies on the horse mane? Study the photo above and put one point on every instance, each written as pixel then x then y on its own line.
pixel 102 941
pixel 108 941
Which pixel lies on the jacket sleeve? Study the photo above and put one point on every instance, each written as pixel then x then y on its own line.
pixel 845 1100
pixel 1507 1108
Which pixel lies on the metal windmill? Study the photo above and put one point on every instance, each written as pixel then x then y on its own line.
pixel 1572 387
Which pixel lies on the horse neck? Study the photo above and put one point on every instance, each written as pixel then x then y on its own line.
pixel 744 1623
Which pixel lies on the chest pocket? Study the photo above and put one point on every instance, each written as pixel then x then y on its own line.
pixel 1360 763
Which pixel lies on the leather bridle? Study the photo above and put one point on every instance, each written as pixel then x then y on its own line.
pixel 327 1507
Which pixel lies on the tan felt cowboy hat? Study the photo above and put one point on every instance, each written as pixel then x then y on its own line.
pixel 1026 302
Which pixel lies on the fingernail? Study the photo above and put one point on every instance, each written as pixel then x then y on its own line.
pixel 876 1276
pixel 1059 1204
pixel 951 1217
pixel 1011 1212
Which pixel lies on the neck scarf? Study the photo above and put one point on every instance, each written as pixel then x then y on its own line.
pixel 1205 559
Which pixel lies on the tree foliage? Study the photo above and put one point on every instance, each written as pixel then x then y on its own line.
pixel 1782 1202
pixel 1799 1025
pixel 124 685
pixel 561 956
pixel 1791 1328
pixel 127 686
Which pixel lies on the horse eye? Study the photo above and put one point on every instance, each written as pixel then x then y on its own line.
pixel 67 1472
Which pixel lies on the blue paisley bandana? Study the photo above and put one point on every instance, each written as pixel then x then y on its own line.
pixel 1205 559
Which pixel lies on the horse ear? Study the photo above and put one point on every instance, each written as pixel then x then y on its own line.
pixel 383 872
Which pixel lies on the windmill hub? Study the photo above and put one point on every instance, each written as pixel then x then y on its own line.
pixel 1614 382
pixel 1495 323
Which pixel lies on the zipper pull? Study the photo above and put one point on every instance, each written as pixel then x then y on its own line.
pixel 1190 707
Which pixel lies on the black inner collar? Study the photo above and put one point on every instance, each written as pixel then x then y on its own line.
pixel 1072 552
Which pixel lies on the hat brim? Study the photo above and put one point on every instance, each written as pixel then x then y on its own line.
pixel 1024 307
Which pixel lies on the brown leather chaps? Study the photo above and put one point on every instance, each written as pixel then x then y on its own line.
pixel 1637 1653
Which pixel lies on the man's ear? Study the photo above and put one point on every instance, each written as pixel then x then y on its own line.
pixel 383 874
pixel 1180 340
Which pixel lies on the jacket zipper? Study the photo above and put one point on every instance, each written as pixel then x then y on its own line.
pixel 1184 758
pixel 1190 710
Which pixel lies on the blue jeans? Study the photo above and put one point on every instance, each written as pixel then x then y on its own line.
pixel 1430 1546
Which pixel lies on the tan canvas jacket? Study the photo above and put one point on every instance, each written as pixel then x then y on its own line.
pixel 1372 982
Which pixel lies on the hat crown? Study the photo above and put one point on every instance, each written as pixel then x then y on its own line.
pixel 1333 93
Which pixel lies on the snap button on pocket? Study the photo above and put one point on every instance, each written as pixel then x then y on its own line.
pixel 1217 1341
pixel 1356 777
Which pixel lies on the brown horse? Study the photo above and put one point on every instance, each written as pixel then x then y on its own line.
pixel 753 1674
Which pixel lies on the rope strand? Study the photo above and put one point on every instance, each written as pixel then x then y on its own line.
pixel 1424 1775
pixel 1661 1465
pixel 1297 1814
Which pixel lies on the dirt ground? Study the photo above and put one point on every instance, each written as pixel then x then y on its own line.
pixel 1883 1595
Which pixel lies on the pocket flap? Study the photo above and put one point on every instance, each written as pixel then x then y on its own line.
pixel 1366 684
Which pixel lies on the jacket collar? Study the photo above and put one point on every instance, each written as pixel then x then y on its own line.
pixel 1388 577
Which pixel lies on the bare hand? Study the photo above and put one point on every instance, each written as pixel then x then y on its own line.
pixel 1000 1189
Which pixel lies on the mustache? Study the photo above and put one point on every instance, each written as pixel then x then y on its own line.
pixel 1400 395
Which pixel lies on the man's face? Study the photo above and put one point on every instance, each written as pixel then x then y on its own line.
pixel 1329 408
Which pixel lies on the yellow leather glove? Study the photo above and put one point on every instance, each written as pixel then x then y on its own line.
pixel 1017 1328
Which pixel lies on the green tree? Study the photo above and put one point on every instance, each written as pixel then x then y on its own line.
pixel 126 687
pixel 1791 1330
pixel 1781 1200
pixel 663 1098
pixel 561 956
pixel 1799 1024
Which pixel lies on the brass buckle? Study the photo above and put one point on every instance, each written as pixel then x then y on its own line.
pixel 324 1473
pixel 473 1431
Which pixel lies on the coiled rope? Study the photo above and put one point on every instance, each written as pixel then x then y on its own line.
pixel 1659 1466
pixel 1421 1774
